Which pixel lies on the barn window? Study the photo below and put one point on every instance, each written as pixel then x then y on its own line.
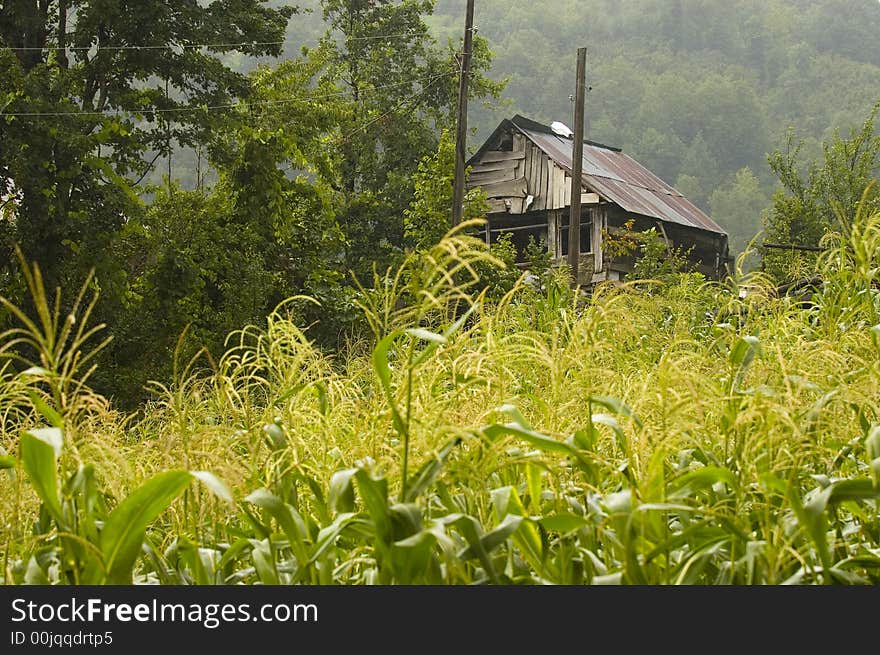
pixel 586 233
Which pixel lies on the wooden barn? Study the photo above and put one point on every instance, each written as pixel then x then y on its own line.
pixel 525 168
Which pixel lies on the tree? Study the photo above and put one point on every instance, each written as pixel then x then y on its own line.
pixel 210 261
pixel 823 198
pixel 400 91
pixel 88 88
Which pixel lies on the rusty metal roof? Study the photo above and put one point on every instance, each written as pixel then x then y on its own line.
pixel 617 177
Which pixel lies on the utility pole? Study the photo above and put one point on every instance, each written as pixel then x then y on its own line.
pixel 461 133
pixel 577 160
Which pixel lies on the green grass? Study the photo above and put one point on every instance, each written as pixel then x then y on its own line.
pixel 670 432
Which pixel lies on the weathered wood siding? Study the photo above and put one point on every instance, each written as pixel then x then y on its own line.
pixel 509 177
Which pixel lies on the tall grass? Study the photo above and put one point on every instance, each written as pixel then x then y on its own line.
pixel 671 432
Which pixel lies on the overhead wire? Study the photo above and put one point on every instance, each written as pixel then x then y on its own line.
pixel 393 110
pixel 190 46
pixel 202 108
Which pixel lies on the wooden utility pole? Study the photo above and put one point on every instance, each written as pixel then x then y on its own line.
pixel 577 160
pixel 461 133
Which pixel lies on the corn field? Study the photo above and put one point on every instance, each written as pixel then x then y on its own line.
pixel 657 432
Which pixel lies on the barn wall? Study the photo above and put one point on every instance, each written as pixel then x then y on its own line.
pixel 517 177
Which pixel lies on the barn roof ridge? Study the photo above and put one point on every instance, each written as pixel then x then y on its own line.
pixel 528 124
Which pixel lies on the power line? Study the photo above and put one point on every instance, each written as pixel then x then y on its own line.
pixel 201 108
pixel 394 109
pixel 175 46
pixel 191 46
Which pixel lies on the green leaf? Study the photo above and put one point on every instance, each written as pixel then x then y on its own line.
pixel 201 567
pixel 511 412
pixel 685 485
pixel 426 475
pixel 534 485
pixel 411 557
pixel 37 371
pixel 35 574
pixel 811 418
pixel 214 485
pixel 855 489
pixel 491 540
pixel 811 516
pixel 7 462
pixel 264 562
pixel 50 414
pixel 406 520
pixel 40 449
pixel 616 406
pixel 619 502
pixel 610 579
pixel 506 502
pixel 690 569
pixel 342 491
pixel 233 552
pixel 872 448
pixel 872 443
pixel 427 335
pixel 275 436
pixel 374 493
pixel 124 530
pixel 51 436
pixel 447 333
pixel 472 532
pixel 327 536
pixel 383 371
pixel 744 350
pixel 536 439
pixel 563 522
pixel 290 521
pixel 611 422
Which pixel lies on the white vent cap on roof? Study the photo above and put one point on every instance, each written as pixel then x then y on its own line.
pixel 561 129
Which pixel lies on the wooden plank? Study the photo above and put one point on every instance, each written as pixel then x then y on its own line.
pixel 563 187
pixel 552 233
pixel 557 177
pixel 497 206
pixel 510 188
pixel 542 183
pixel 598 223
pixel 532 174
pixel 566 202
pixel 589 198
pixel 495 166
pixel 519 143
pixel 491 177
pixel 516 205
pixel 548 181
pixel 522 168
pixel 501 155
